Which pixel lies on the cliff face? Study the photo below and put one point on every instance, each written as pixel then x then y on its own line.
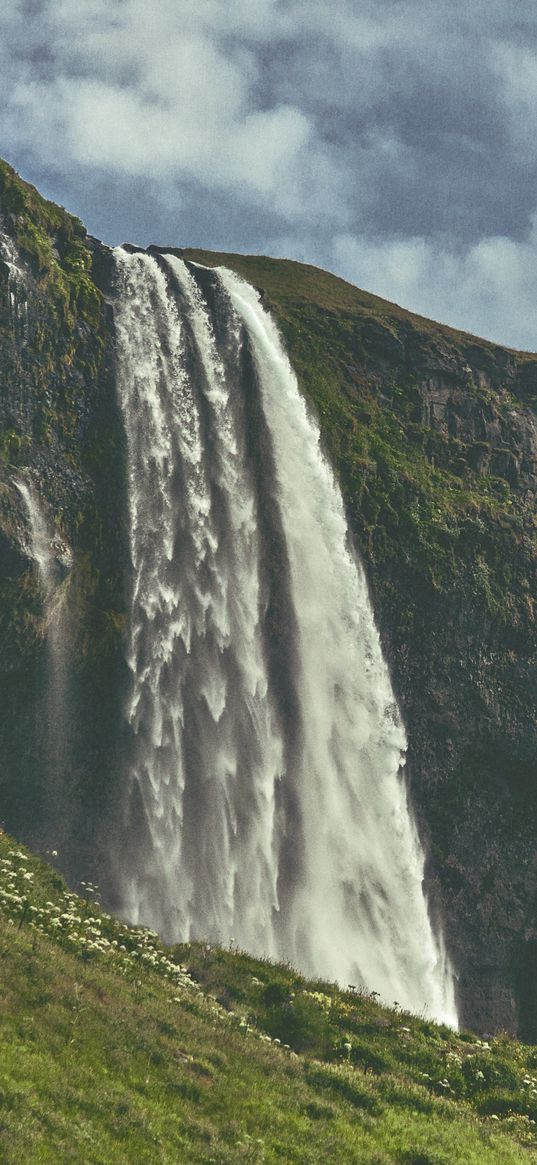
pixel 433 434
pixel 60 436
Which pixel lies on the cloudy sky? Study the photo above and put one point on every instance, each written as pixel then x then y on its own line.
pixel 391 141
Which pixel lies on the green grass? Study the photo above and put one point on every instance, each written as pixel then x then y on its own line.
pixel 117 1051
pixel 65 320
pixel 53 242
pixel 286 281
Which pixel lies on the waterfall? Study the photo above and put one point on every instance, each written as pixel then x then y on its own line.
pixel 16 286
pixel 264 800
pixel 53 559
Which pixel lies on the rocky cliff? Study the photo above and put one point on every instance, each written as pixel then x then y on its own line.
pixel 60 436
pixel 433 434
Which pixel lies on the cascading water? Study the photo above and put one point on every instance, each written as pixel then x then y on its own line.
pixel 40 542
pixel 265 800
pixel 18 302
pixel 53 560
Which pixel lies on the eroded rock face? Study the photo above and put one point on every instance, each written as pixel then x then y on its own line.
pixel 502 444
pixel 60 436
pixel 465 662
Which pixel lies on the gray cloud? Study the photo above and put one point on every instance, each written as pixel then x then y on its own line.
pixel 489 288
pixel 392 141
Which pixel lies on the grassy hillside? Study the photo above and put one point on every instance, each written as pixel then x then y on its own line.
pixel 118 1052
pixel 288 281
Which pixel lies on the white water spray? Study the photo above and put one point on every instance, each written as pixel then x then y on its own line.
pixel 264 789
pixel 18 301
pixel 52 558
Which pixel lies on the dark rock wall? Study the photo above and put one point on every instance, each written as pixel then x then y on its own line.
pixel 465 668
pixel 59 432
pixel 454 590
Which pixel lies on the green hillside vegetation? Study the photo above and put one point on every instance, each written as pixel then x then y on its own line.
pixel 290 282
pixel 54 243
pixel 117 1051
pixel 49 367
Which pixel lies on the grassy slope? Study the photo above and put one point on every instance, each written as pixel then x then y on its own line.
pixel 286 280
pixel 111 1055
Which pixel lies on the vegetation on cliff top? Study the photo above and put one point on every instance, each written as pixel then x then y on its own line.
pixel 54 244
pixel 53 319
pixel 56 412
pixel 117 1050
